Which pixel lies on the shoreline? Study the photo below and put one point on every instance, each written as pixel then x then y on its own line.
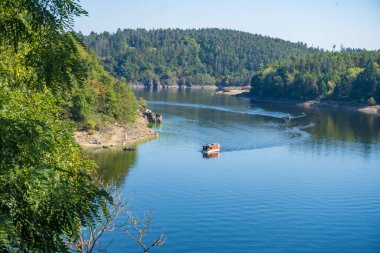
pixel 233 90
pixel 161 86
pixel 243 92
pixel 319 104
pixel 229 90
pixel 116 135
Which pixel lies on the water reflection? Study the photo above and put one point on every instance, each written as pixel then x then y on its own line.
pixel 241 124
pixel 211 155
pixel 342 125
pixel 346 126
pixel 309 179
pixel 114 164
pixel 338 132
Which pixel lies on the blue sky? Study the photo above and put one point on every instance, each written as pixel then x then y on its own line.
pixel 320 23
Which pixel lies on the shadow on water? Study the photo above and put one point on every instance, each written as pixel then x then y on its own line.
pixel 113 164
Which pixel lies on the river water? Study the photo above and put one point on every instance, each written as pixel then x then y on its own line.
pixel 308 184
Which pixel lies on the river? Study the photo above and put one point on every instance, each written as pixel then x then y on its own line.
pixel 308 184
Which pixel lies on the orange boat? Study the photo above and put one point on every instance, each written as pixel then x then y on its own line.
pixel 211 148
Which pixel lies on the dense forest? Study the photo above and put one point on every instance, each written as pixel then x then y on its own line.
pixel 189 57
pixel 350 75
pixel 49 85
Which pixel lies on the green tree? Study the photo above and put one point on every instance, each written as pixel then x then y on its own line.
pixel 47 191
pixel 47 187
pixel 367 83
pixel 347 75
pixel 189 57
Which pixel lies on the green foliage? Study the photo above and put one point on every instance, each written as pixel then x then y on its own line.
pixel 42 54
pixel 371 101
pixel 47 191
pixel 351 75
pixel 99 98
pixel 21 19
pixel 142 103
pixel 36 30
pixel 367 84
pixel 189 57
pixel 44 179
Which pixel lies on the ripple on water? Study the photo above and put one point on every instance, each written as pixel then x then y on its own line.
pixel 247 133
pixel 280 199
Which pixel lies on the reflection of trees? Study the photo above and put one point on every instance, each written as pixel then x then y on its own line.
pixel 192 96
pixel 333 130
pixel 345 126
pixel 343 132
pixel 114 164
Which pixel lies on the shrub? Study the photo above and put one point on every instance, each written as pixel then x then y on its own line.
pixel 371 101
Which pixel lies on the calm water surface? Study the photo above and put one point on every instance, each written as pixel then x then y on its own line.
pixel 311 184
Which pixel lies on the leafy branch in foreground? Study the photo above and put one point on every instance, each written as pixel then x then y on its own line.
pixel 47 187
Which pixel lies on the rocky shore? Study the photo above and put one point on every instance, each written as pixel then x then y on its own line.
pixel 170 86
pixel 371 109
pixel 235 90
pixel 120 135
pixel 152 117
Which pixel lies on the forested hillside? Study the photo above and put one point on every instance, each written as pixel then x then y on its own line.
pixel 99 98
pixel 351 75
pixel 189 57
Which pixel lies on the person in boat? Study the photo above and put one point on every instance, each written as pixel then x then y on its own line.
pixel 209 148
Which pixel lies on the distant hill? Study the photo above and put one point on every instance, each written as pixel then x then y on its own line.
pixel 189 57
pixel 351 75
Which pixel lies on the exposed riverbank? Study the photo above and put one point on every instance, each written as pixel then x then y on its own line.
pixel 116 135
pixel 370 109
pixel 231 90
pixel 235 90
pixel 243 91
pixel 171 86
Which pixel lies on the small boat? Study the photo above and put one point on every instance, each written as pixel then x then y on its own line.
pixel 129 148
pixel 211 148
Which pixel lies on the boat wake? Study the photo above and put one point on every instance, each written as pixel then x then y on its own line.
pixel 256 111
pixel 290 136
pixel 233 132
pixel 234 137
